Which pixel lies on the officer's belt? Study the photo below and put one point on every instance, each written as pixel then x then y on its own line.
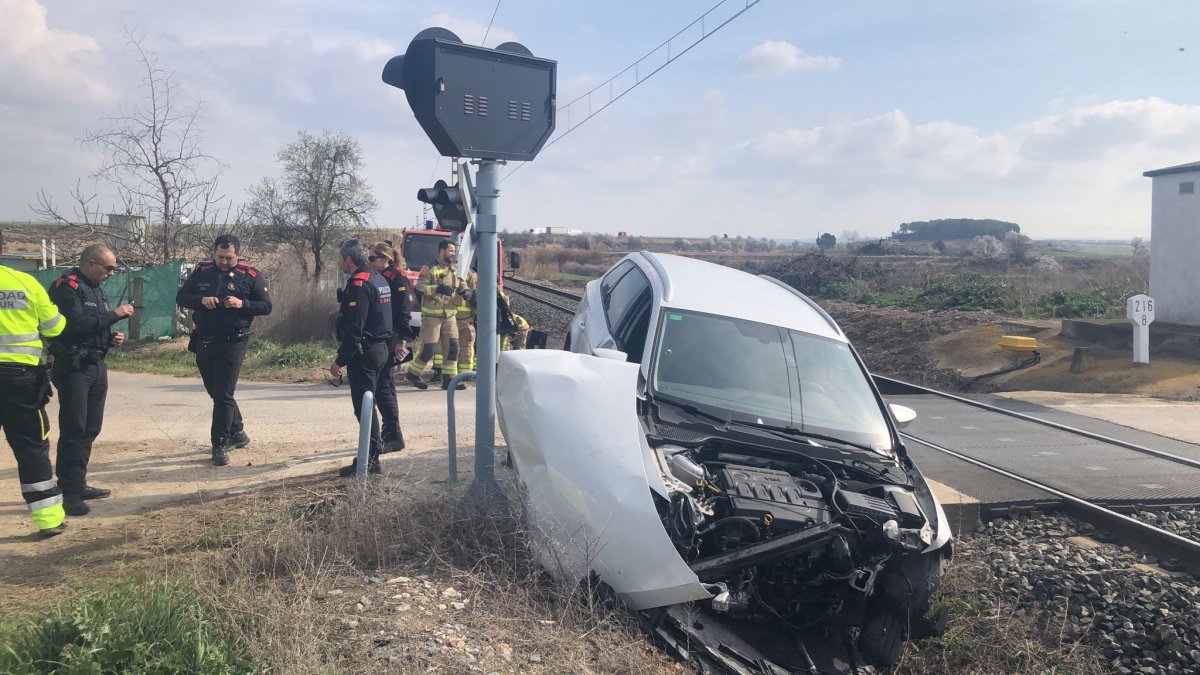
pixel 231 337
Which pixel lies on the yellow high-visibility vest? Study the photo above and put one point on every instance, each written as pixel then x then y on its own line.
pixel 26 316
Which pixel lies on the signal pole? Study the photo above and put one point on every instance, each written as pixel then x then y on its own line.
pixel 487 346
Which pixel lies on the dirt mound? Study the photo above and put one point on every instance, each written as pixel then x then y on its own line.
pixel 896 342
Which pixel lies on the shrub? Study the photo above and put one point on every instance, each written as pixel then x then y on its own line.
pixel 138 627
pixel 1071 304
pixel 970 292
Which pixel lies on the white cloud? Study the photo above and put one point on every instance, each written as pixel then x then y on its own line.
pixel 470 32
pixel 39 63
pixel 774 58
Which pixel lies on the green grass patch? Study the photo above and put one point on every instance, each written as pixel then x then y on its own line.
pixel 140 626
pixel 263 358
pixel 163 358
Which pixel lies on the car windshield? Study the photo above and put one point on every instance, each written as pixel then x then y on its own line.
pixel 764 374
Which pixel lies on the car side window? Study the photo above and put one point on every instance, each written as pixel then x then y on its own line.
pixel 626 286
pixel 631 335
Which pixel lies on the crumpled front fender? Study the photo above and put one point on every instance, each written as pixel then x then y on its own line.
pixel 571 427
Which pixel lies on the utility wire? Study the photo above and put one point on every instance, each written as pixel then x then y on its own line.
pixel 489 28
pixel 636 68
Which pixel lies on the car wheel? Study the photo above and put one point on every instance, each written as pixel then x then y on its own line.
pixel 881 640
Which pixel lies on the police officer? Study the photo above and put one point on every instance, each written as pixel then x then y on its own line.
pixel 224 295
pixel 439 287
pixel 384 260
pixel 364 331
pixel 79 372
pixel 26 316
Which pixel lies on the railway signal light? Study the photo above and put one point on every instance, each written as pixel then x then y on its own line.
pixel 448 205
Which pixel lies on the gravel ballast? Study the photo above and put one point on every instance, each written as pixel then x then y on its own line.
pixel 1142 619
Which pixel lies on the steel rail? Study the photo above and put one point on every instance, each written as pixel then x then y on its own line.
pixel 1163 544
pixel 1178 459
pixel 542 301
pixel 552 291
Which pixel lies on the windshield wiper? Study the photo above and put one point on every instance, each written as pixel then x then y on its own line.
pixel 793 432
pixel 689 409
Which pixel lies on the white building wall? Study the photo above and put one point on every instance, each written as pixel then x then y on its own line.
pixel 1175 249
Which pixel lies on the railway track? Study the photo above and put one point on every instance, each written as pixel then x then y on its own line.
pixel 544 295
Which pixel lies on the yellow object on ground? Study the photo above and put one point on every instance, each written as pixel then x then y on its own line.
pixel 1018 343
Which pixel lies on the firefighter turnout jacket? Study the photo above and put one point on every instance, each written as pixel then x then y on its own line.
pixel 438 286
pixel 26 316
pixel 243 282
pixel 401 316
pixel 365 315
pixel 466 295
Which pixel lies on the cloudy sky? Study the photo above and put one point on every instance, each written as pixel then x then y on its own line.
pixel 796 118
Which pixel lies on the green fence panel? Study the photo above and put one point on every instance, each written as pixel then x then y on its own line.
pixel 159 284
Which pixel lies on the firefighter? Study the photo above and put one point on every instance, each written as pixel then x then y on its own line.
pixel 384 260
pixel 364 332
pixel 26 316
pixel 516 340
pixel 465 318
pixel 79 371
pixel 440 290
pixel 224 295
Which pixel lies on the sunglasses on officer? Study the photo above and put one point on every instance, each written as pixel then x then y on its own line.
pixel 107 268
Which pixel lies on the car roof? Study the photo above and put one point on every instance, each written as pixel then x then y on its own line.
pixel 716 289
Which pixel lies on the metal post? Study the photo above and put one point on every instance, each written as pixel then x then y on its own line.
pixel 486 352
pixel 365 416
pixel 451 431
pixel 135 321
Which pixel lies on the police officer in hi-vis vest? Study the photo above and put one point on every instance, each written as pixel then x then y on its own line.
pixel 79 372
pixel 224 295
pixel 440 289
pixel 364 331
pixel 27 316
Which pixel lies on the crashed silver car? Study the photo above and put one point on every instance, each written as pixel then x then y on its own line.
pixel 714 451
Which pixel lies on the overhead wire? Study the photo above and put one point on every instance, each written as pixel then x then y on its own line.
pixel 489 27
pixel 638 77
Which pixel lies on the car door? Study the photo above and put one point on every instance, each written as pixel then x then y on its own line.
pixel 627 313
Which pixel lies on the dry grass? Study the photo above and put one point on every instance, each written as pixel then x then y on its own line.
pixel 302 311
pixel 278 576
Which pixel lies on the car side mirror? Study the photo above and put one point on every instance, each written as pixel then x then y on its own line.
pixel 611 354
pixel 904 415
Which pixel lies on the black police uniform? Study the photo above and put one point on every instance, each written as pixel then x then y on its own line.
pixel 79 373
pixel 389 407
pixel 221 335
pixel 364 329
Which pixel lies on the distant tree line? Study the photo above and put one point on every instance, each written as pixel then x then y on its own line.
pixel 954 228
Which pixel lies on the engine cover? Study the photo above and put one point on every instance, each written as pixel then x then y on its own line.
pixel 792 503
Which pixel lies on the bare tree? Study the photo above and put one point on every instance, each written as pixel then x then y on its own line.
pixel 319 197
pixel 157 170
pixel 1019 246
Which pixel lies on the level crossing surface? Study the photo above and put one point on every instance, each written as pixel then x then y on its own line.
pixel 1086 467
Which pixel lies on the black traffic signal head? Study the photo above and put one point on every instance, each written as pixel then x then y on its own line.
pixel 477 102
pixel 447 203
